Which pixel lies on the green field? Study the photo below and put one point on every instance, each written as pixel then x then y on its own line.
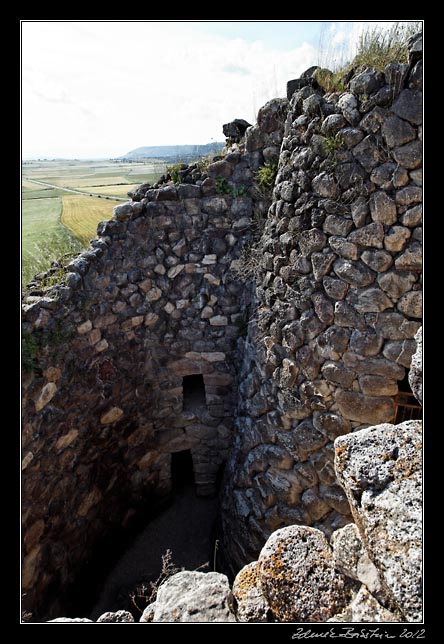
pixel 56 221
pixel 44 238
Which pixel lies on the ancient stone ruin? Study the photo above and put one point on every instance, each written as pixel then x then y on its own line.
pixel 255 331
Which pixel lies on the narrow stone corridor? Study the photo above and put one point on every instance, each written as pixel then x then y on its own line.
pixel 186 527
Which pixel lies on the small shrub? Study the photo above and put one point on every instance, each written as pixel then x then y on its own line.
pixel 378 47
pixel 173 171
pixel 333 143
pixel 222 186
pixel 242 191
pixel 266 177
pixel 144 595
pixel 249 262
pixel 331 81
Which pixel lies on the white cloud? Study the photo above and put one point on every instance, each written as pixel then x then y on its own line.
pixel 102 88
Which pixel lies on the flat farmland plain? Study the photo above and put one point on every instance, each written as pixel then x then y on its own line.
pixel 81 214
pixel 64 200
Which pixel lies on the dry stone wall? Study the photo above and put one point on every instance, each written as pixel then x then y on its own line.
pixel 107 352
pixel 338 301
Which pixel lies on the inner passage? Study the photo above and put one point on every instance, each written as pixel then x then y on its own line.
pixel 193 392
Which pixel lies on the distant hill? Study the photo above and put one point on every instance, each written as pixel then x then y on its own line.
pixel 176 151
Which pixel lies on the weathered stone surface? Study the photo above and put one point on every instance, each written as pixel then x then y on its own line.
pixel 411 304
pixel 371 235
pixel 331 424
pixel 351 558
pixel 378 386
pixel 411 258
pixel 380 470
pixel 408 106
pixel 111 416
pixel 335 225
pixel 369 300
pixel 117 617
pixel 355 273
pixel 343 247
pixel 300 557
pixel 409 155
pixel 335 288
pixel 408 196
pixel 311 241
pixel 365 608
pixel 365 342
pixel 321 263
pixel 251 603
pixel 383 208
pixel 367 153
pixel 412 217
pixel 332 124
pixel 46 395
pixel 194 597
pixel 377 260
pixel 373 366
pixel 365 409
pixel 396 132
pixel 415 373
pixel 348 105
pixel 396 283
pixel 235 129
pixel 337 373
pixel 271 116
pixel 396 238
pixel 325 186
pixel 351 136
pixel 367 82
pixel 400 351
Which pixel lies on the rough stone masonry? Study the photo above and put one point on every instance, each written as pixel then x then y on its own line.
pixel 312 347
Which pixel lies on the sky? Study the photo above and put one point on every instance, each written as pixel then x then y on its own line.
pixel 98 89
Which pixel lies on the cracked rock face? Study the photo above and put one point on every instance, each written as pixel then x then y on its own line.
pixel 380 470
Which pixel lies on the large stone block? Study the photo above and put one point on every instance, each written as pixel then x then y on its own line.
pixel 365 409
pixel 298 557
pixel 380 469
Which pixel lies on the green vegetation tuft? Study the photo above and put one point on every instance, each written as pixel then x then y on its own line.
pixel 333 143
pixel 331 81
pixel 266 177
pixel 222 186
pixel 377 47
pixel 173 171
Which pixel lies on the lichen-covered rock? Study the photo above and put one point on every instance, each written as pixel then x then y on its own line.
pixel 194 597
pixel 251 604
pixel 380 470
pixel 415 373
pixel 298 577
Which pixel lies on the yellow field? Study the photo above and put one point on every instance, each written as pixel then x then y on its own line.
pixel 112 190
pixel 81 214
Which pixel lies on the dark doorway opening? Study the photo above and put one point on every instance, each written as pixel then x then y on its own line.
pixel 182 473
pixel 406 405
pixel 193 392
